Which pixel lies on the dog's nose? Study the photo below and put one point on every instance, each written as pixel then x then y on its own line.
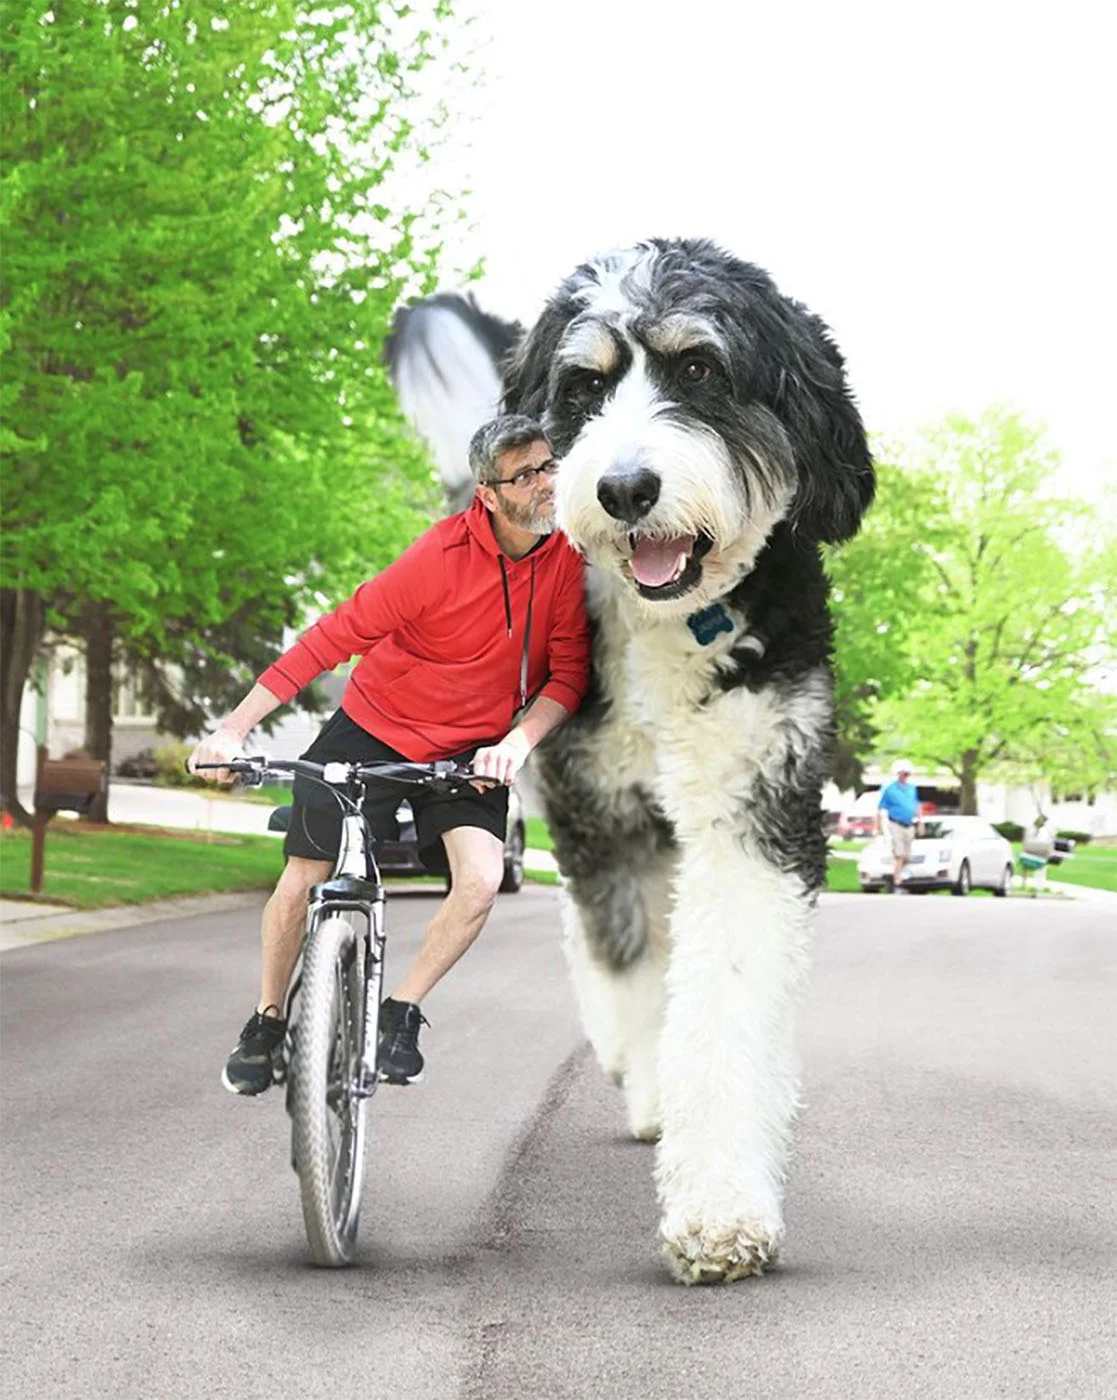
pixel 628 493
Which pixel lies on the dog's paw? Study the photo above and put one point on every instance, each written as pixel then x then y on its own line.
pixel 644 1129
pixel 641 1102
pixel 697 1253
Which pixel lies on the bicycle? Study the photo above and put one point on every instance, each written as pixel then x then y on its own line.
pixel 330 1048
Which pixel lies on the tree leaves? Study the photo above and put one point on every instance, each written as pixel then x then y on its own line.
pixel 195 413
pixel 973 611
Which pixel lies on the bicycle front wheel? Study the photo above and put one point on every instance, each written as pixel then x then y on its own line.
pixel 327 1110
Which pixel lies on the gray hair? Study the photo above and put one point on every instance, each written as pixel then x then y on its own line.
pixel 498 436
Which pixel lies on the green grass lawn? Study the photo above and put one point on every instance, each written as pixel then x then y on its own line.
pixel 841 875
pixel 270 794
pixel 91 869
pixel 1095 866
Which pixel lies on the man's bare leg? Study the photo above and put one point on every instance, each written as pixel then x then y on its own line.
pixel 476 867
pixel 283 924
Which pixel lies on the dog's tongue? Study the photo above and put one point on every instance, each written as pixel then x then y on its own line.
pixel 656 562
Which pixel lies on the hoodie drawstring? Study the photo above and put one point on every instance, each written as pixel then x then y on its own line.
pixel 527 624
pixel 527 640
pixel 507 599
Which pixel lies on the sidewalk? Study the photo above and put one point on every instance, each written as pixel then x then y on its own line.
pixel 26 922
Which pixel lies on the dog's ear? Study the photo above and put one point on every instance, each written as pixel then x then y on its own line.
pixel 527 371
pixel 812 399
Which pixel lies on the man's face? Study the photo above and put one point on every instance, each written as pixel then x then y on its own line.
pixel 526 501
pixel 903 775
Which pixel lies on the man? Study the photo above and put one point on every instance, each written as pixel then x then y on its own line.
pixel 899 808
pixel 474 644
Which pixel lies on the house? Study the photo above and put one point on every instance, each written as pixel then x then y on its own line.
pixel 1095 814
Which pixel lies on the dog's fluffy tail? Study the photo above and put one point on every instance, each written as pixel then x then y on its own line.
pixel 445 356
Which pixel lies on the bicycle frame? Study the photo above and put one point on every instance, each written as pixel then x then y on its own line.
pixel 355 887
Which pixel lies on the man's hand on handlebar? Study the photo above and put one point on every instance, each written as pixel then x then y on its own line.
pixel 220 747
pixel 502 761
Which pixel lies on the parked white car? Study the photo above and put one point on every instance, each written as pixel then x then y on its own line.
pixel 948 853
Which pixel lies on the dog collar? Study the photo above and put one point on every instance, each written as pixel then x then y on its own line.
pixel 707 623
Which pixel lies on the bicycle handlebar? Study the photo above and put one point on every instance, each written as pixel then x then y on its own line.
pixel 442 774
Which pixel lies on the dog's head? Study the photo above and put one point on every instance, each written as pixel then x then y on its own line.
pixel 693 408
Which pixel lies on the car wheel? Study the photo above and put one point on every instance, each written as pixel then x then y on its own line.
pixel 513 862
pixel 1006 883
pixel 963 885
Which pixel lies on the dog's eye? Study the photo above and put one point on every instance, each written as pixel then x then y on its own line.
pixel 695 370
pixel 585 385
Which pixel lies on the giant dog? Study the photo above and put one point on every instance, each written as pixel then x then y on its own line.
pixel 708 445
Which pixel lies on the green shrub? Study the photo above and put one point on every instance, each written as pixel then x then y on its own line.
pixel 1082 837
pixel 1011 831
pixel 170 765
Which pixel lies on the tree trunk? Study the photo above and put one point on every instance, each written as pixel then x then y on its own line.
pixel 22 624
pixel 98 696
pixel 969 783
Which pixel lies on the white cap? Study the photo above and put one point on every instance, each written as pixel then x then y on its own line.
pixel 902 766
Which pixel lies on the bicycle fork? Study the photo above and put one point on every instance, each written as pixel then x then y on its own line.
pixel 369 1076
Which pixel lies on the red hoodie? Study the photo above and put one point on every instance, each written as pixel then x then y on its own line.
pixel 440 634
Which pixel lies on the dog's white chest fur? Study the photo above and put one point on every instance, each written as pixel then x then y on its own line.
pixel 672 728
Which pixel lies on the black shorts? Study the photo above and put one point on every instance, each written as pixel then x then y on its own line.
pixel 315 829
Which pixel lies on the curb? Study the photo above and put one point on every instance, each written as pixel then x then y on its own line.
pixel 40 927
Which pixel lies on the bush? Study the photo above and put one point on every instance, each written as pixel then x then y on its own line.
pixel 1082 838
pixel 1011 831
pixel 170 765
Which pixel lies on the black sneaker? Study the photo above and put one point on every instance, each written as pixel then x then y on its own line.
pixel 257 1058
pixel 398 1058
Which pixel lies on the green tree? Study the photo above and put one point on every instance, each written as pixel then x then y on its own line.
pixel 1003 629
pixel 199 274
pixel 877 583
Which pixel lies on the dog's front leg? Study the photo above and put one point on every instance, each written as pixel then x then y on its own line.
pixel 727 1061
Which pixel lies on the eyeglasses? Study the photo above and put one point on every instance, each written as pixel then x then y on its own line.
pixel 529 476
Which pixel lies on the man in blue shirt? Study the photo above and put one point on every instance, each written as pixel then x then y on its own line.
pixel 897 815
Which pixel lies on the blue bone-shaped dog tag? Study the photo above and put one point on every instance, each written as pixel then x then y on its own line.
pixel 708 623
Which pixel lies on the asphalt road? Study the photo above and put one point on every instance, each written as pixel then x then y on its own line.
pixel 952 1212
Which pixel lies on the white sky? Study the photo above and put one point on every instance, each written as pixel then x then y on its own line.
pixel 935 181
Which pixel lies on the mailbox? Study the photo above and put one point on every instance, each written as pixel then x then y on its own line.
pixel 61 785
pixel 67 784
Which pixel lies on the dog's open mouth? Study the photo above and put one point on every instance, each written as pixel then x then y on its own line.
pixel 667 568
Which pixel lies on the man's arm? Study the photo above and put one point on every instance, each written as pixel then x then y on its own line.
pixel 396 595
pixel 569 643
pixel 503 761
pixel 568 659
pixel 227 740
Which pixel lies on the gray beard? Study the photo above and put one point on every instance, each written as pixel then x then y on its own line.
pixel 526 518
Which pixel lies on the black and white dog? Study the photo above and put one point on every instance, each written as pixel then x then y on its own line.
pixel 708 444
